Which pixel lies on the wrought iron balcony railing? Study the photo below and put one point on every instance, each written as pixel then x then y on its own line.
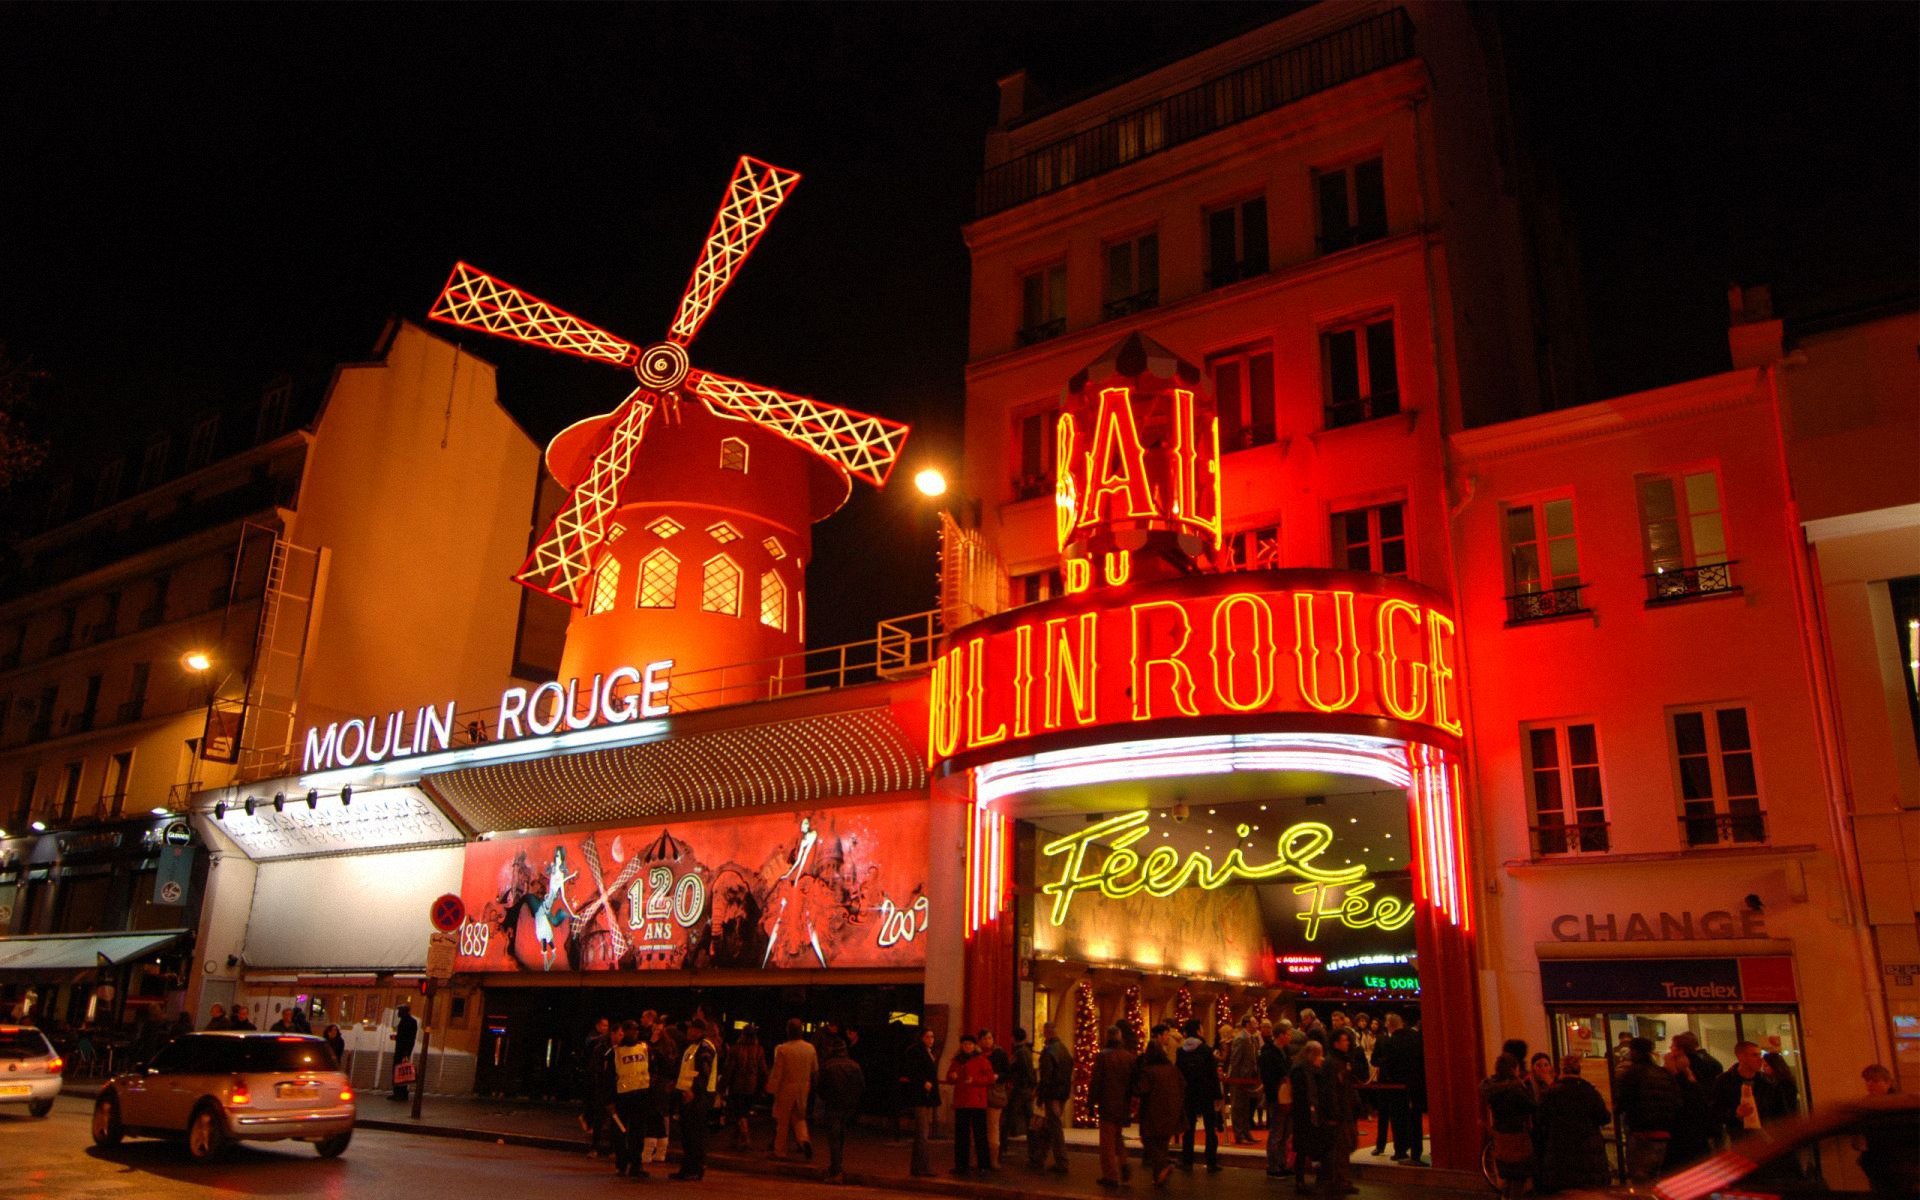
pixel 1545 604
pixel 1221 276
pixel 1581 837
pixel 1362 409
pixel 1684 583
pixel 1335 240
pixel 1126 306
pixel 1369 44
pixel 1703 828
pixel 1031 334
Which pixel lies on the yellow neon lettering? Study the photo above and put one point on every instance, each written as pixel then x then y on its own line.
pixel 1440 655
pixel 1345 652
pixel 976 689
pixel 1353 909
pixel 1070 669
pixel 943 727
pixel 1077 573
pixel 1258 647
pixel 1116 466
pixel 1179 677
pixel 1116 566
pixel 1388 653
pixel 1186 489
pixel 1023 681
pixel 1066 488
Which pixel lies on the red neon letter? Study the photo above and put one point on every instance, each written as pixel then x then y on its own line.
pixel 1179 677
pixel 1116 466
pixel 1345 651
pixel 1258 643
pixel 1440 631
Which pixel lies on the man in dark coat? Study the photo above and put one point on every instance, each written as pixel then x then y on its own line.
pixel 1052 1091
pixel 1401 1057
pixel 1573 1114
pixel 1274 1065
pixel 1746 1098
pixel 920 1094
pixel 406 1031
pixel 1163 1109
pixel 1649 1101
pixel 1202 1072
pixel 841 1085
pixel 1111 1093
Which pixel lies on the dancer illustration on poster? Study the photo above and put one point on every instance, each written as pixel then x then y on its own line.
pixel 545 919
pixel 793 899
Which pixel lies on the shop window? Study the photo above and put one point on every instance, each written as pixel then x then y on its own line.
pixel 1715 775
pixel 773 601
pixel 1563 785
pixel 606 587
pixel 733 454
pixel 664 527
pixel 1043 304
pixel 1034 446
pixel 1243 389
pixel 1371 539
pixel 1543 559
pixel 1236 242
pixel 1352 201
pixel 1254 549
pixel 659 580
pixel 1133 276
pixel 720 586
pixel 1683 533
pixel 1359 373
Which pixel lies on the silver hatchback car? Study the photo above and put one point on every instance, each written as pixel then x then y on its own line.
pixel 29 1069
pixel 220 1087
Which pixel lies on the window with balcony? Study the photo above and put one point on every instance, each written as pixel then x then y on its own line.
pixel 1243 390
pixel 1543 560
pixel 1236 242
pixel 1371 539
pixel 1360 375
pixel 1140 133
pixel 1043 304
pixel 135 705
pixel 1034 444
pixel 659 580
pixel 156 610
pixel 62 640
pixel 1563 787
pixel 201 442
pixel 1353 205
pixel 108 623
pixel 733 454
pixel 606 587
pixel 1133 276
pixel 23 807
pixel 90 706
pixel 119 776
pixel 1256 549
pixel 70 789
pixel 1714 770
pixel 773 601
pixel 106 485
pixel 153 462
pixel 42 727
pixel 720 586
pixel 1683 533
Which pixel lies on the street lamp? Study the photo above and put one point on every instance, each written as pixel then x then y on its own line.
pixel 197 661
pixel 931 481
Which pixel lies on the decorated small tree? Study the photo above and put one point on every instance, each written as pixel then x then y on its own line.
pixel 1086 1046
pixel 1136 1019
pixel 1222 1014
pixel 1183 1005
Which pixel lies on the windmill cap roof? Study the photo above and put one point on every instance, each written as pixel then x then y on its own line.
pixel 1133 357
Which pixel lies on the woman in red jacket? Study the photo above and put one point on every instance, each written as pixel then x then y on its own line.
pixel 971 1074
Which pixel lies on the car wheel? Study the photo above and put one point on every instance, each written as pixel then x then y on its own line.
pixel 206 1134
pixel 333 1147
pixel 40 1108
pixel 107 1130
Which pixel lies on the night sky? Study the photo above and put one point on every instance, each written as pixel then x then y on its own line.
pixel 192 199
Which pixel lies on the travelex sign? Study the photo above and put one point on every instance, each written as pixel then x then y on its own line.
pixel 612 698
pixel 1313 643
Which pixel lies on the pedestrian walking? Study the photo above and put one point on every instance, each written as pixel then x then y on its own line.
pixel 746 1078
pixel 999 1093
pixel 405 1031
pixel 663 1070
pixel 796 1065
pixel 632 1098
pixel 1572 1114
pixel 1202 1072
pixel 1110 1090
pixel 1649 1102
pixel 1745 1099
pixel 1310 1134
pixel 1053 1089
pixel 920 1092
pixel 1016 1119
pixel 1277 1091
pixel 971 1075
pixel 1162 1090
pixel 842 1083
pixel 698 1081
pixel 597 1088
pixel 1340 1110
pixel 1508 1107
pixel 1243 1078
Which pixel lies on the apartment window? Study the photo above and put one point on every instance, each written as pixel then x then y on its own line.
pixel 1353 205
pixel 1254 549
pixel 1034 446
pixel 659 580
pixel 70 790
pixel 773 601
pixel 23 808
pixel 62 640
pixel 119 774
pixel 1142 133
pixel 1362 378
pixel 1036 586
pixel 106 485
pixel 1133 276
pixel 200 443
pixel 90 707
pixel 272 417
pixel 1243 390
pixel 606 587
pixel 1714 768
pixel 1371 539
pixel 42 727
pixel 1237 242
pixel 1563 785
pixel 720 586
pixel 109 622
pixel 1543 559
pixel 156 609
pixel 1683 533
pixel 1043 304
pixel 153 463
pixel 135 705
pixel 733 454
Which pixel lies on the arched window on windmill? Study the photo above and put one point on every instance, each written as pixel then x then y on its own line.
pixel 606 586
pixel 720 586
pixel 659 580
pixel 733 454
pixel 773 601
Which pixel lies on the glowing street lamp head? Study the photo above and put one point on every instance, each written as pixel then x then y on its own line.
pixel 196 661
pixel 930 481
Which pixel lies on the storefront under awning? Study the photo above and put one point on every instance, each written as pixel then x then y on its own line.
pixel 365 912
pixel 80 952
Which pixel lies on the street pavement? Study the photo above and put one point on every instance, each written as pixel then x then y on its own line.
pixel 475 1147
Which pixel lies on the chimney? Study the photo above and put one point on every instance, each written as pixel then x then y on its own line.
pixel 1013 96
pixel 1754 336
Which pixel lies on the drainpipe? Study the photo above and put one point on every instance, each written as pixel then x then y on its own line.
pixel 1817 655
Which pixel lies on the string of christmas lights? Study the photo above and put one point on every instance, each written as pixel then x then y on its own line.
pixel 1086 1046
pixel 1222 1014
pixel 1182 1006
pixel 1136 1019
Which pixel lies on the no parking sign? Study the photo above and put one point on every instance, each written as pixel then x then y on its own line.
pixel 447 912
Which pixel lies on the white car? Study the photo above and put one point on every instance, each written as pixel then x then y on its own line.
pixel 29 1069
pixel 219 1087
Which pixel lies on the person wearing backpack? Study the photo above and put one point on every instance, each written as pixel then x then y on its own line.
pixel 1052 1090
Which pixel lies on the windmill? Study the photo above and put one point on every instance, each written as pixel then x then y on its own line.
pixel 853 443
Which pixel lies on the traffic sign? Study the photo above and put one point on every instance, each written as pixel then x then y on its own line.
pixel 447 912
pixel 440 952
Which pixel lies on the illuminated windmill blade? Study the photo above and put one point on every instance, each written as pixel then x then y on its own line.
pixel 754 192
pixel 474 299
pixel 866 446
pixel 564 557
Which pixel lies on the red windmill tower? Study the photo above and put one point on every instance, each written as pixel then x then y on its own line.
pixel 699 557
